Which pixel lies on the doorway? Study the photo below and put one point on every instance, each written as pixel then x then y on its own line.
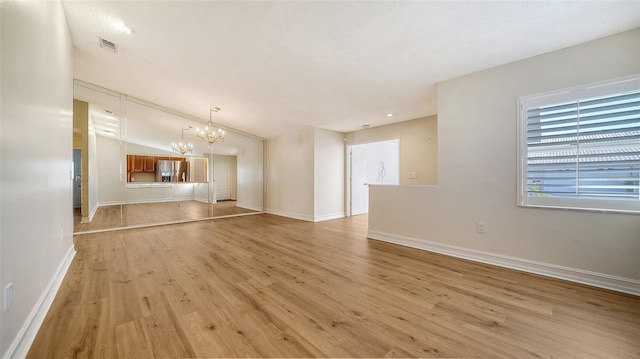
pixel 370 163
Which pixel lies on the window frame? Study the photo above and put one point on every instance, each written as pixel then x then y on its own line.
pixel 603 88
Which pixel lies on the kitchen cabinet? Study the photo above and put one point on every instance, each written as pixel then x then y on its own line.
pixel 138 164
pixel 130 163
pixel 150 164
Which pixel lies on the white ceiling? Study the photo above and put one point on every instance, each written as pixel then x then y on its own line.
pixel 274 67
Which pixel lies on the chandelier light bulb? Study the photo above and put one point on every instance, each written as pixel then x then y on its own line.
pixel 210 135
pixel 181 147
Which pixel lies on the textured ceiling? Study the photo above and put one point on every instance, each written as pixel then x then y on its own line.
pixel 274 67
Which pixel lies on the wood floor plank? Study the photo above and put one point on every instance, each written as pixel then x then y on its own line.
pixel 268 286
pixel 131 341
pixel 162 329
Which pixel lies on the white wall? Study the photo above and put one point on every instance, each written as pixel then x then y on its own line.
pixel 93 168
pixel 133 148
pixel 290 175
pixel 328 174
pixel 305 175
pixel 477 177
pixel 250 174
pixel 36 154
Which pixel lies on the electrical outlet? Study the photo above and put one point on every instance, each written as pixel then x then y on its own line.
pixel 7 296
pixel 481 227
pixel 413 175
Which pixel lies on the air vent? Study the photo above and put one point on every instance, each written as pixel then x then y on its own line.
pixel 108 45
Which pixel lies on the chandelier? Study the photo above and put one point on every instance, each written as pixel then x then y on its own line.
pixel 209 134
pixel 182 147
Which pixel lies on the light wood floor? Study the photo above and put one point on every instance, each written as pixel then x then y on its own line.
pixel 268 286
pixel 143 213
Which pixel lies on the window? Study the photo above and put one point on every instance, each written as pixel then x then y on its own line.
pixel 580 148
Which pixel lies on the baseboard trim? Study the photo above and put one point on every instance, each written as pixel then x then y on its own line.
pixel 248 206
pixel 22 342
pixel 206 200
pixel 595 279
pixel 302 217
pixel 326 217
pixel 93 212
pixel 159 200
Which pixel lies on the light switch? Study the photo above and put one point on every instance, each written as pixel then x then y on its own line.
pixel 8 296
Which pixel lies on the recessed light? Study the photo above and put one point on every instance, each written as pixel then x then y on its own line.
pixel 366 126
pixel 389 115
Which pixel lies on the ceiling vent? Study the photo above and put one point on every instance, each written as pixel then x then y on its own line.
pixel 108 45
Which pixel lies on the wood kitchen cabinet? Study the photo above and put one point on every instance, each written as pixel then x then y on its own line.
pixel 150 164
pixel 138 164
pixel 130 163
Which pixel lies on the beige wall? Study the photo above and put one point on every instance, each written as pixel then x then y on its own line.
pixel 81 127
pixel 77 138
pixel 418 142
pixel 110 156
pixel 477 177
pixel 36 220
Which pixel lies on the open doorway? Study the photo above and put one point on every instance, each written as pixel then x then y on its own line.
pixel 370 163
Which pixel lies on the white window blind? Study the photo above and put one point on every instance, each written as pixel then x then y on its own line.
pixel 580 148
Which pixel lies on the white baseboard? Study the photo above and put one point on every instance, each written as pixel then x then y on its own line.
pixel 204 200
pixel 93 212
pixel 138 201
pixel 249 206
pixel 110 203
pixel 22 342
pixel 595 279
pixel 303 217
pixel 326 217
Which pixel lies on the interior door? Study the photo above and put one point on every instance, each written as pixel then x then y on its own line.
pixel 359 180
pixel 77 178
pixel 222 178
